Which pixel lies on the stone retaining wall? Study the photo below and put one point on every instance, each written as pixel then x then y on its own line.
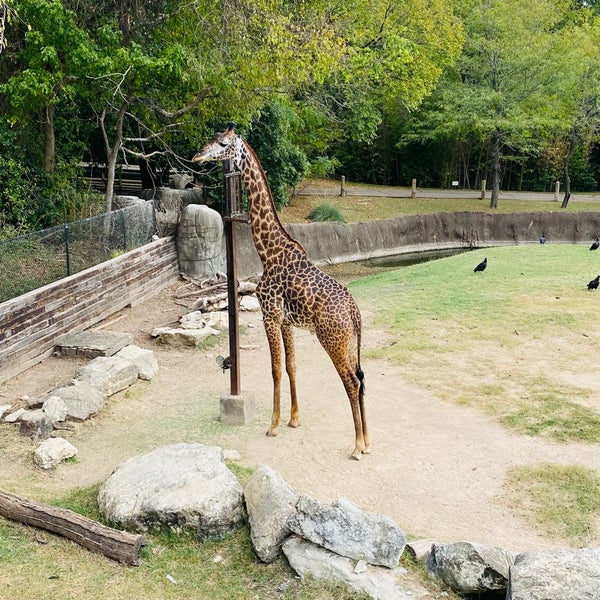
pixel 31 323
pixel 336 242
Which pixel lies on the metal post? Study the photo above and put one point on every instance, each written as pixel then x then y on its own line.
pixel 67 254
pixel 413 192
pixel 232 300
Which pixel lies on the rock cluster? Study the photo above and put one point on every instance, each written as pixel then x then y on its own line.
pixel 189 486
pixel 78 400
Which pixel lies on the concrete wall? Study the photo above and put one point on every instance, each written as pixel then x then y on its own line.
pixel 30 324
pixel 335 242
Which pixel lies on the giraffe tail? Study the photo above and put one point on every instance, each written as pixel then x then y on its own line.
pixel 359 372
pixel 361 379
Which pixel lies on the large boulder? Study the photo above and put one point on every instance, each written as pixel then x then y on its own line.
pixel 109 374
pixel 81 399
pixel 200 242
pixel 380 583
pixel 269 502
pixel 556 574
pixel 347 530
pixel 144 360
pixel 470 568
pixel 183 486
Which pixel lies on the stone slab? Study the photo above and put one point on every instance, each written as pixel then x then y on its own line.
pixel 91 344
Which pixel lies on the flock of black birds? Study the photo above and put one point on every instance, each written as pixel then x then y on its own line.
pixel 592 285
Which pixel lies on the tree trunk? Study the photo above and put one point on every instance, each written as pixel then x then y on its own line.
pixel 91 535
pixel 568 157
pixel 496 162
pixel 50 137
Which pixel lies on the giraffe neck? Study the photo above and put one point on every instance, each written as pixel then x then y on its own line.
pixel 270 237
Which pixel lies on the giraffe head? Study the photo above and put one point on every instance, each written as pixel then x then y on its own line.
pixel 223 146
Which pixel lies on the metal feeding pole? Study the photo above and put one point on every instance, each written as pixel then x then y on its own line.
pixel 235 408
pixel 232 212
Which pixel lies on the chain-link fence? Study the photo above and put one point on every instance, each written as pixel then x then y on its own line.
pixel 36 259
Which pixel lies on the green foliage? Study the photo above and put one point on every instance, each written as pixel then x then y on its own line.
pixel 284 163
pixel 325 212
pixel 17 187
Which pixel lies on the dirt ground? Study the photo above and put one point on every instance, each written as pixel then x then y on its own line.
pixel 436 468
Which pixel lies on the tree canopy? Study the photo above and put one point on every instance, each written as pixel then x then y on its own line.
pixel 379 90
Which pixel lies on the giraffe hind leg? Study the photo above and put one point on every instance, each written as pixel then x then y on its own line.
pixel 273 332
pixel 290 366
pixel 361 408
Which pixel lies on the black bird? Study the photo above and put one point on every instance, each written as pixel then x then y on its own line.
pixel 481 266
pixel 593 284
pixel 595 245
pixel 543 239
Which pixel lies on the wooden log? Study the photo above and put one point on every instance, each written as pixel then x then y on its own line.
pixel 91 535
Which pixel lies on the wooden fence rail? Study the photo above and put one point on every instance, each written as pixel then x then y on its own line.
pixel 30 324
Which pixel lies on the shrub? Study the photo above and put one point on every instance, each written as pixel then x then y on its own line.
pixel 325 212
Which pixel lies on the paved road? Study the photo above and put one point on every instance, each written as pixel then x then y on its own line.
pixel 333 188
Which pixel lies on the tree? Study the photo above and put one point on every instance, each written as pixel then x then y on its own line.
pixel 504 91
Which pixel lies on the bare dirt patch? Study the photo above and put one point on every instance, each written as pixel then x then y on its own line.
pixel 437 468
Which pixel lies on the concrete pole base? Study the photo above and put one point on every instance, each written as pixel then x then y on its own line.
pixel 237 409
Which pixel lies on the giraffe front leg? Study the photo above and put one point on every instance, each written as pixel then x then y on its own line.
pixel 273 332
pixel 290 366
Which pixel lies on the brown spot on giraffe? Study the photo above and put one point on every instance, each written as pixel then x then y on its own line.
pixel 293 292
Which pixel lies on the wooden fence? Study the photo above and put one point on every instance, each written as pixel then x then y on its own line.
pixel 30 324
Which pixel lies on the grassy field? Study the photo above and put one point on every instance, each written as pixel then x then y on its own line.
pixel 517 342
pixel 370 202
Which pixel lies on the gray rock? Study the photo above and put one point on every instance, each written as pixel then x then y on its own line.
pixel 82 400
pixel 15 416
pixel 470 568
pixel 269 502
pixel 55 408
pixel 183 486
pixel 249 303
pixel 53 451
pixel 182 337
pixel 4 409
pixel 308 559
pixel 347 530
pixel 36 425
pixel 200 242
pixel 556 575
pixel 199 320
pixel 109 374
pixel 120 201
pixel 143 359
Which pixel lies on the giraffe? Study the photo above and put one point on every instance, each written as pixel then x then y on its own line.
pixel 293 292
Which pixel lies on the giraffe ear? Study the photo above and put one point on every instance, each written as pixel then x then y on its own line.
pixel 230 126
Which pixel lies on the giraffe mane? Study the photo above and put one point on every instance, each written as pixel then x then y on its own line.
pixel 264 175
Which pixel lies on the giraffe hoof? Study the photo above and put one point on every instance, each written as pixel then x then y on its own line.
pixel 367 450
pixel 272 432
pixel 294 423
pixel 356 455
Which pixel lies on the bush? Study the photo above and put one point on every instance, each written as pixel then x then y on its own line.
pixel 325 212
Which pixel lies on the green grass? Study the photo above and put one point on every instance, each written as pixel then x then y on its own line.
pixel 356 208
pixel 562 500
pixel 40 565
pixel 512 340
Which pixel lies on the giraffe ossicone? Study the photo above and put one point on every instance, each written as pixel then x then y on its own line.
pixel 293 292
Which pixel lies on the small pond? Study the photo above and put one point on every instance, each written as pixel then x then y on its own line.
pixel 360 268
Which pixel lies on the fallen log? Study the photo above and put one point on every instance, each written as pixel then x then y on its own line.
pixel 118 545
